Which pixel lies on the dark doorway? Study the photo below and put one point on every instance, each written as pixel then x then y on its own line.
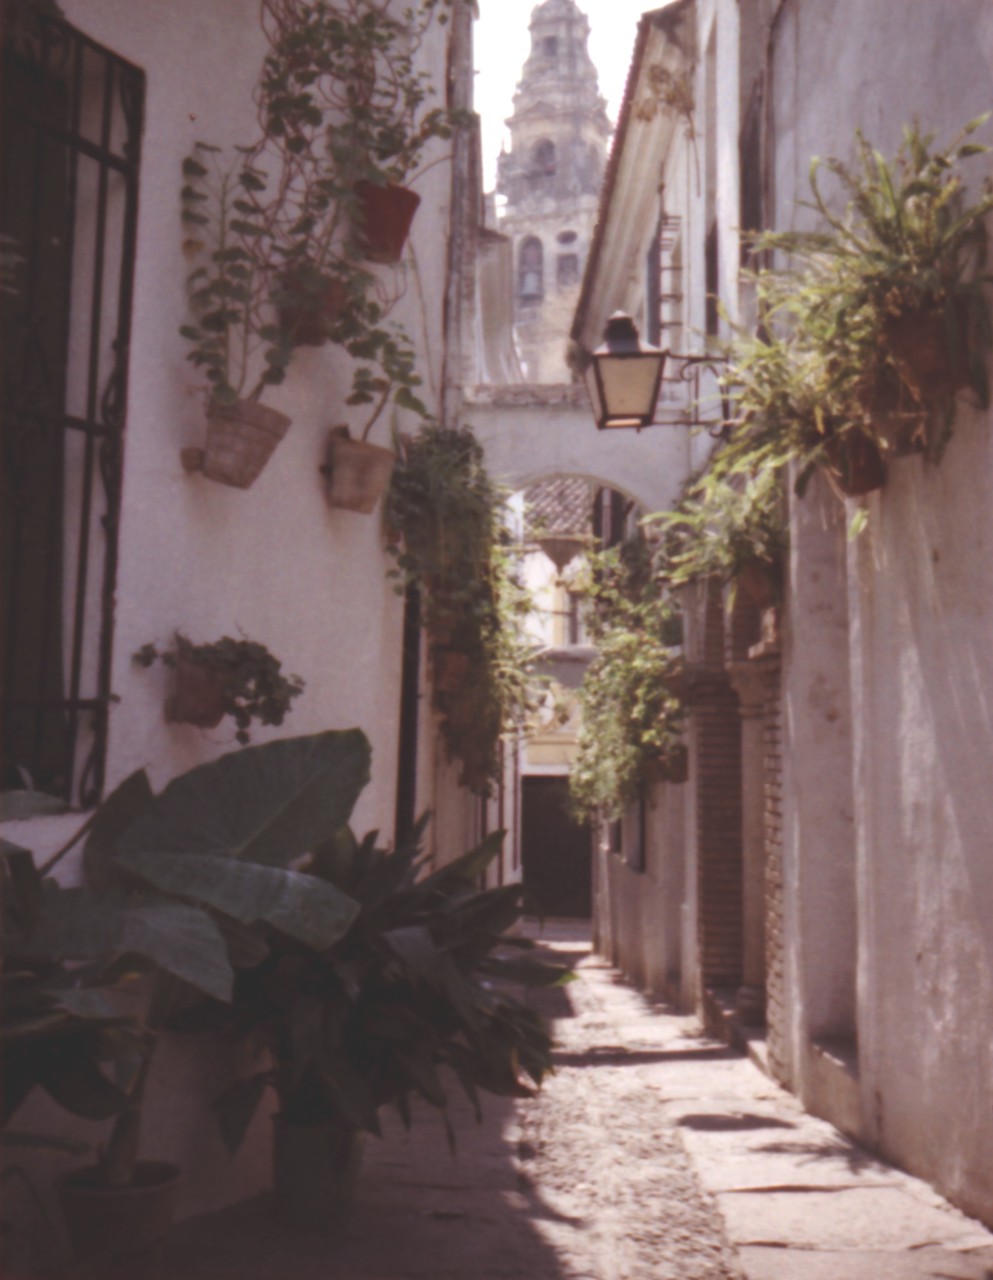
pixel 557 852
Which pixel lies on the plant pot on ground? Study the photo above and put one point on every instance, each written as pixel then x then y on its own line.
pixel 124 1220
pixel 315 1171
pixel 420 982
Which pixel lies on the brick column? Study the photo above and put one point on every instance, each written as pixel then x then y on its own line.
pixel 775 991
pixel 714 706
pixel 749 681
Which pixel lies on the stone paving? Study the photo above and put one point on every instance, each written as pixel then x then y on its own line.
pixel 652 1154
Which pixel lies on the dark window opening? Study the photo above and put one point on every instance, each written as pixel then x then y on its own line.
pixel 712 282
pixel 611 511
pixel 567 269
pixel 567 237
pixel 543 160
pixel 530 269
pixel 550 46
pixel 750 162
pixel 71 136
pixel 653 292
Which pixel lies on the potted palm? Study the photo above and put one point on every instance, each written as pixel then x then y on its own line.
pixel 237 678
pixel 234 341
pixel 416 985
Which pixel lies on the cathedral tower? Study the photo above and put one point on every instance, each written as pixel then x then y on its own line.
pixel 550 180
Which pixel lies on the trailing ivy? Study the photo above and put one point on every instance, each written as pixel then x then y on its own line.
pixel 456 548
pixel 632 711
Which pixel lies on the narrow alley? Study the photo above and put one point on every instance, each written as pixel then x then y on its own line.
pixel 653 1153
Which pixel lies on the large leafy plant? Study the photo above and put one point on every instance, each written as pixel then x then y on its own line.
pixel 632 710
pixel 187 885
pixel 417 984
pixel 839 354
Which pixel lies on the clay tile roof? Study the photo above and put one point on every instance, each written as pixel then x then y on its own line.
pixel 560 506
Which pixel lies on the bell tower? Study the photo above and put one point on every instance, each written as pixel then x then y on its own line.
pixel 550 181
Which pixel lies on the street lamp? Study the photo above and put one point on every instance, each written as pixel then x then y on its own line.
pixel 624 376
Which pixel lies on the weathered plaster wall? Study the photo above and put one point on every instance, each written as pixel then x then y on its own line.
pixel 920 584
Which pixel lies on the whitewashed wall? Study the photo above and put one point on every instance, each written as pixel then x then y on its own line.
pixel 274 563
pixel 919 618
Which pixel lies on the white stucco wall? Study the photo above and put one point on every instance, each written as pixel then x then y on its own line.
pixel 274 563
pixel 920 584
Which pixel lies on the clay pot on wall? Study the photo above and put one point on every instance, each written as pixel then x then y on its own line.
pixel 199 694
pixel 309 320
pixel 762 582
pixel 385 217
pixel 356 472
pixel 854 464
pixel 930 350
pixel 241 438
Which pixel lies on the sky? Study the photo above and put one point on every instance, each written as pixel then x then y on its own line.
pixel 502 43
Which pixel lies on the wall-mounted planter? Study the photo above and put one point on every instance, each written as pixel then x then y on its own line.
pixel 450 668
pixel 200 692
pixel 356 472
pixel 761 581
pixel 241 438
pixel 854 464
pixel 310 319
pixel 930 364
pixel 673 767
pixel 385 217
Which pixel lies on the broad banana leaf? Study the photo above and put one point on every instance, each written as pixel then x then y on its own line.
pixel 268 804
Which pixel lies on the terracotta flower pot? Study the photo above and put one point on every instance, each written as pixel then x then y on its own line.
pixel 199 695
pixel 450 668
pixel 357 472
pixel 929 363
pixel 385 214
pixel 118 1220
pixel 761 581
pixel 315 1170
pixel 855 465
pixel 241 438
pixel 309 320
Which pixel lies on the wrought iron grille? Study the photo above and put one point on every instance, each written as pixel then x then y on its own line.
pixel 70 148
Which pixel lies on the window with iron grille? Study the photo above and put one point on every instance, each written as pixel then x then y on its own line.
pixel 70 144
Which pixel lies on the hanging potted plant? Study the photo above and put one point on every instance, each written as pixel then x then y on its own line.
pixel 237 678
pixel 240 351
pixel 732 527
pixel 342 97
pixel 455 547
pixel 357 472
